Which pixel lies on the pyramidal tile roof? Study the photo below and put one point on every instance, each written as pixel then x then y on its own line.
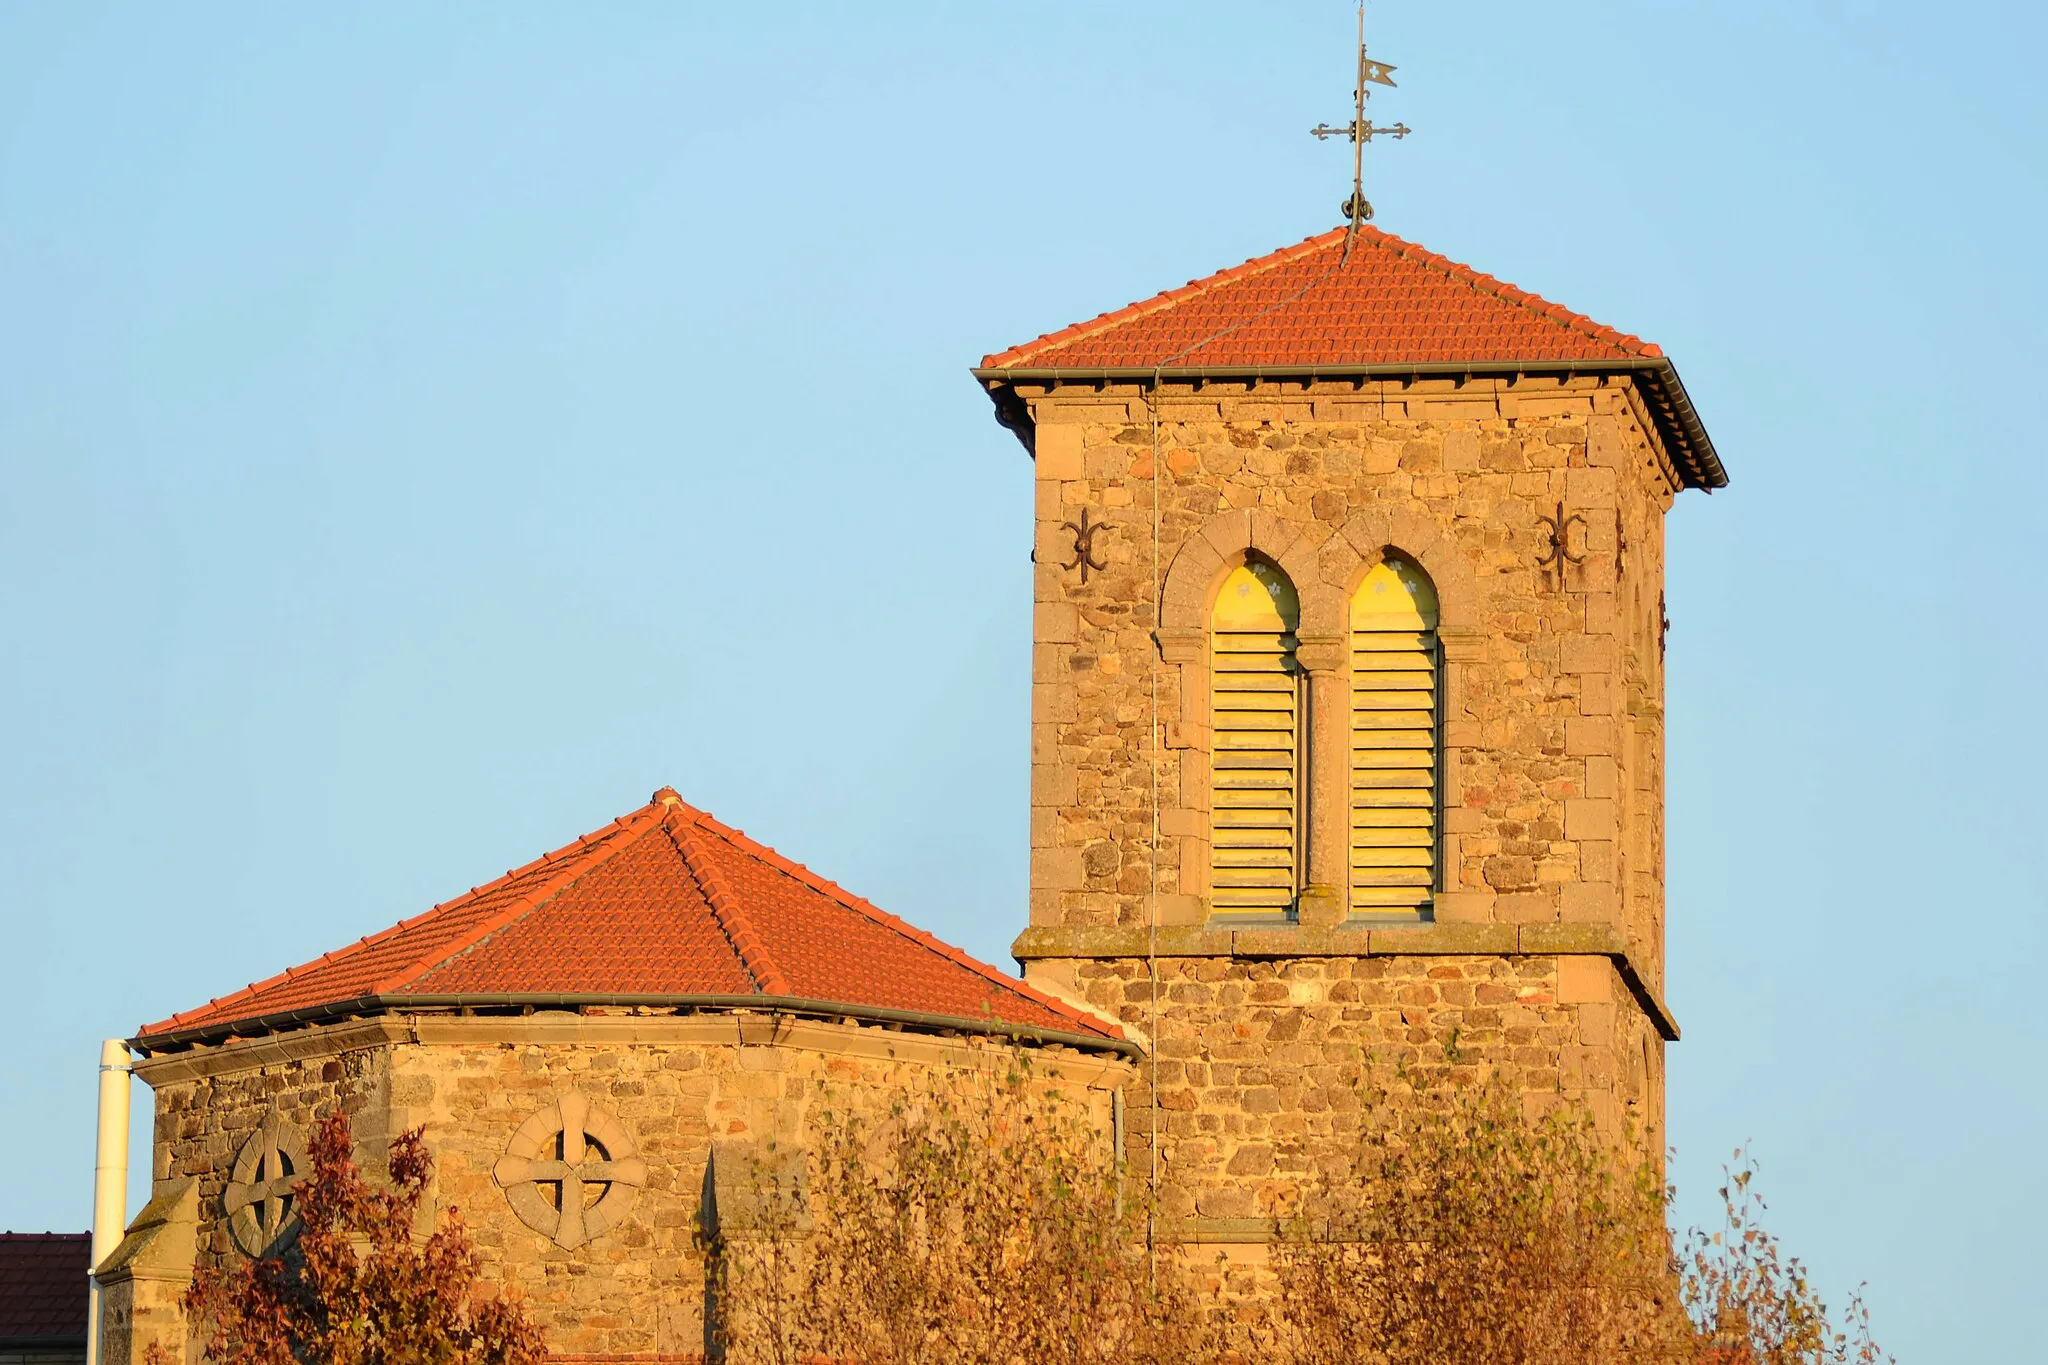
pixel 665 904
pixel 1389 306
pixel 1391 302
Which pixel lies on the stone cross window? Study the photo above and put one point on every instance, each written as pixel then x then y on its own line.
pixel 571 1172
pixel 260 1200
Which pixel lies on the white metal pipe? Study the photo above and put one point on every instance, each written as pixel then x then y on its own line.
pixel 109 1177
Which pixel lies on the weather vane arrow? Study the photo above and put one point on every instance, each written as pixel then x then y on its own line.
pixel 1370 72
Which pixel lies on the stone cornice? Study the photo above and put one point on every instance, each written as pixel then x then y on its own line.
pixel 1041 943
pixel 381 1006
pixel 566 1028
pixel 311 1043
pixel 1656 395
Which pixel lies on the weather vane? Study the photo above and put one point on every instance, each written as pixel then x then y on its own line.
pixel 1360 132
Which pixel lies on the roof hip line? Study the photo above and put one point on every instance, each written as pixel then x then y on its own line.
pixel 725 908
pixel 440 954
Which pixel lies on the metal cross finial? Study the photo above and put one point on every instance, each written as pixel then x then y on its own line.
pixel 1360 132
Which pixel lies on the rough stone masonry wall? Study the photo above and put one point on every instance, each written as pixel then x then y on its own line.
pixel 1558 724
pixel 1552 828
pixel 683 1087
pixel 1265 1066
pixel 202 1120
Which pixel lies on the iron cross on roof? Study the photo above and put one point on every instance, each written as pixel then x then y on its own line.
pixel 1361 132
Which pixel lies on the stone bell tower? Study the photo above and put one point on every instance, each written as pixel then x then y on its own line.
pixel 1347 710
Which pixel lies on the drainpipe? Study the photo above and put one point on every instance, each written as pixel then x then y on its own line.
pixel 109 1178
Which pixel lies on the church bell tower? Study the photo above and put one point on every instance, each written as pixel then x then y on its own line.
pixel 1347 711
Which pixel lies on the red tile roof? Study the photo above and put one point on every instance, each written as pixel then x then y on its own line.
pixel 1391 306
pixel 42 1287
pixel 663 902
pixel 1393 302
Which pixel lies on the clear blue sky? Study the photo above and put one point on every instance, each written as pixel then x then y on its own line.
pixel 424 430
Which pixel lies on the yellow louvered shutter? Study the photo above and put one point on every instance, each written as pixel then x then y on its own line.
pixel 1395 750
pixel 1254 697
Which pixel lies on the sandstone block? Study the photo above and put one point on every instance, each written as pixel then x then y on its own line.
pixel 1058 869
pixel 1589 818
pixel 1527 907
pixel 1464 907
pixel 1052 702
pixel 1596 860
pixel 1253 1159
pixel 1058 451
pixel 1584 980
pixel 1461 451
pixel 1589 735
pixel 1101 859
pixel 1056 622
pixel 1510 872
pixel 1596 1025
pixel 1586 654
pixel 1106 464
pixel 1229 535
pixel 1602 779
pixel 1590 488
pixel 1054 784
pixel 1606 447
pixel 1444 940
pixel 1588 903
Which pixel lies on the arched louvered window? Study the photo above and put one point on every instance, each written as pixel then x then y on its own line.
pixel 1256 772
pixel 1396 749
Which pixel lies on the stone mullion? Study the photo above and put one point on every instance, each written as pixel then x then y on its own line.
pixel 1325 896
pixel 1184 806
pixel 1459 648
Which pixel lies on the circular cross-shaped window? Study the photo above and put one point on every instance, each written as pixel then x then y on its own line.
pixel 260 1201
pixel 571 1172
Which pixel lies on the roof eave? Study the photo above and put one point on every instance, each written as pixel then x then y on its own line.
pixel 1692 449
pixel 360 1006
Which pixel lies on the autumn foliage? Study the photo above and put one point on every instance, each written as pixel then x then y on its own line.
pixel 1752 1303
pixel 358 1287
pixel 984 1217
pixel 1462 1230
pixel 989 1222
pixel 980 1218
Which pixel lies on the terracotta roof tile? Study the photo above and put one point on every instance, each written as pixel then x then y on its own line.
pixel 42 1286
pixel 1393 302
pixel 665 901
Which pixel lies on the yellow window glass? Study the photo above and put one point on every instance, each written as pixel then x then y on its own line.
pixel 1254 691
pixel 1395 749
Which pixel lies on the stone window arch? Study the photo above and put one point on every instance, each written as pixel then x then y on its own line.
pixel 1396 742
pixel 1256 774
pixel 1326 564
